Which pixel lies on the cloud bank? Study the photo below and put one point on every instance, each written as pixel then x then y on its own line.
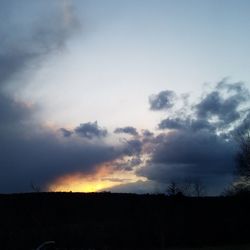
pixel 30 152
pixel 200 144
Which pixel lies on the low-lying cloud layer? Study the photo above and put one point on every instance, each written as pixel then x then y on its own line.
pixel 31 153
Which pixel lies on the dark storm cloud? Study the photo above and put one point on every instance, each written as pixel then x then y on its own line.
pixel 202 155
pixel 33 154
pixel 90 130
pixel 185 154
pixel 126 130
pixel 163 100
pixel 30 153
pixel 42 159
pixel 199 144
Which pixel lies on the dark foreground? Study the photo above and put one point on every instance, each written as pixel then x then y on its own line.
pixel 123 221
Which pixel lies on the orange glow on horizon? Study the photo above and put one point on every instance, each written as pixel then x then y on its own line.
pixel 101 180
pixel 79 182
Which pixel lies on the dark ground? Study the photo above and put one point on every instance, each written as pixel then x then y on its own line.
pixel 122 221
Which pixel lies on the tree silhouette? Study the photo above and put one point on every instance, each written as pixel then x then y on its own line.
pixel 35 188
pixel 243 155
pixel 198 188
pixel 242 184
pixel 172 189
pixel 188 187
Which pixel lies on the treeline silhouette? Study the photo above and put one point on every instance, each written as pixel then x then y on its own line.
pixel 121 221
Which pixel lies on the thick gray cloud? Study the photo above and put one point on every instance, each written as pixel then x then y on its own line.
pixel 90 130
pixel 134 147
pixel 186 124
pixel 195 153
pixel 126 130
pixel 174 123
pixel 30 153
pixel 163 100
pixel 200 145
pixel 128 164
pixel 12 112
pixel 28 36
pixel 223 103
pixel 202 155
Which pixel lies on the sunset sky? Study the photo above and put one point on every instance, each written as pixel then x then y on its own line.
pixel 121 96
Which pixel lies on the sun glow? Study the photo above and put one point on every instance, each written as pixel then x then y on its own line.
pixel 78 182
pixel 101 180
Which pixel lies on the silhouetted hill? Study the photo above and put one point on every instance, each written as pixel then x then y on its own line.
pixel 121 221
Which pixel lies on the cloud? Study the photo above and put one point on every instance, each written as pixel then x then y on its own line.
pixel 127 164
pixel 28 36
pixel 134 147
pixel 223 103
pixel 199 144
pixel 186 124
pixel 12 112
pixel 146 133
pixel 126 130
pixel 186 154
pixel 90 130
pixel 65 132
pixel 163 100
pixel 190 154
pixel 30 152
pixel 173 123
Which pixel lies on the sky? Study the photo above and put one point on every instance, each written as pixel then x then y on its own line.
pixel 123 96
